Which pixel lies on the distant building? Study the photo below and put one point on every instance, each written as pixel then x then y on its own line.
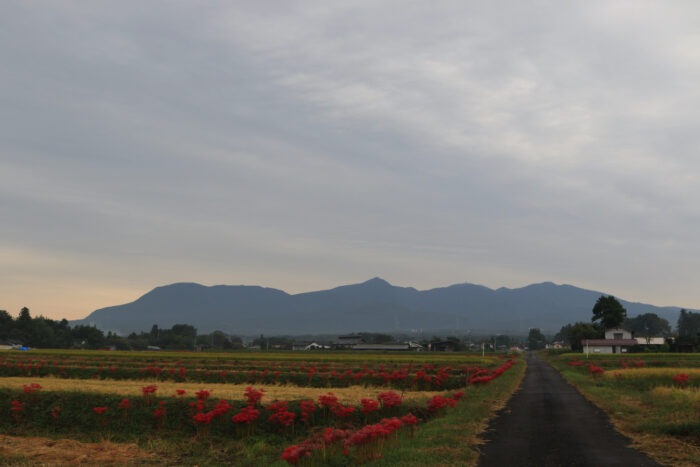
pixel 405 346
pixel 310 346
pixel 617 340
pixel 641 340
pixel 347 342
pixel 442 346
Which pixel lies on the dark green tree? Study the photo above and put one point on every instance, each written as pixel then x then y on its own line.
pixel 535 339
pixel 648 325
pixel 576 332
pixel 6 324
pixel 608 312
pixel 688 325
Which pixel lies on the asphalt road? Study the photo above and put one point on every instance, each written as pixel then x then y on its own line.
pixel 549 423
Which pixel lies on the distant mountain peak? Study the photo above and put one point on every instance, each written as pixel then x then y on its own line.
pixel 377 281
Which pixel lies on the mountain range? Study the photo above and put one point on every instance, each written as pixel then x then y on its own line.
pixel 374 305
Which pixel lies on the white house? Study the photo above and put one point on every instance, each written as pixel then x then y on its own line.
pixel 617 340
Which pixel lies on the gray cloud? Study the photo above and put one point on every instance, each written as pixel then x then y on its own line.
pixel 303 145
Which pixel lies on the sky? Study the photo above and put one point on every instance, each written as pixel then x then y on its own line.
pixel 303 145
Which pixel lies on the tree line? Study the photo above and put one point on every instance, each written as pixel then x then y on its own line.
pixel 41 332
pixel 609 313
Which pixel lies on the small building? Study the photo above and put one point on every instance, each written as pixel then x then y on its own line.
pixel 617 340
pixel 347 342
pixel 442 346
pixel 642 340
pixel 617 333
pixel 306 345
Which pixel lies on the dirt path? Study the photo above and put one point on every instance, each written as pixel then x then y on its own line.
pixel 549 423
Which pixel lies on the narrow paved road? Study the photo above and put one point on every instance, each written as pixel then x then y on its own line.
pixel 549 423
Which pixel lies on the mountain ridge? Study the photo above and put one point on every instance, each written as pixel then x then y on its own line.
pixel 373 305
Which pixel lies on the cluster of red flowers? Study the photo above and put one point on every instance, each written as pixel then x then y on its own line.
pixel 100 410
pixel 595 370
pixel 280 414
pixel 482 376
pixel 252 395
pixel 31 388
pixel 370 438
pixel 17 407
pixel 369 406
pixel 307 409
pixel 389 399
pixel 247 415
pixel 204 418
pixel 682 379
pixel 125 404
pixel 336 374
pixel 148 390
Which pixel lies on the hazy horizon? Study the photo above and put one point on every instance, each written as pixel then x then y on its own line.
pixel 307 145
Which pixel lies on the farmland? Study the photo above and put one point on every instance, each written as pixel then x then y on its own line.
pixel 257 408
pixel 654 399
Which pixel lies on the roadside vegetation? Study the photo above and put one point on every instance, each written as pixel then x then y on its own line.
pixel 653 398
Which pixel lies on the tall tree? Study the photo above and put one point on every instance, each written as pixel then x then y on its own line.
pixel 535 339
pixel 608 312
pixel 688 325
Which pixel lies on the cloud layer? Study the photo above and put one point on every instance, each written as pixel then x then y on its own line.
pixel 302 145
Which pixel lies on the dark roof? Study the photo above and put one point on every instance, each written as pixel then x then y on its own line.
pixel 609 341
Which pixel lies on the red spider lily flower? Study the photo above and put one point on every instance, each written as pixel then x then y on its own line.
pixel 202 418
pixel 202 395
pixel 389 399
pixel 307 408
pixel 17 407
pixel 100 410
pixel 438 402
pixel 247 415
pixel 409 420
pixel 160 412
pixel 328 400
pixel 180 392
pixel 283 417
pixel 342 412
pixel 31 388
pixel 253 395
pixel 369 406
pixel 54 412
pixel 682 379
pixel 125 404
pixel 458 395
pixel 294 453
pixel 147 390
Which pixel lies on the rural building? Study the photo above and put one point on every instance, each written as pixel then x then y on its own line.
pixel 406 346
pixel 642 340
pixel 347 342
pixel 310 346
pixel 442 346
pixel 617 340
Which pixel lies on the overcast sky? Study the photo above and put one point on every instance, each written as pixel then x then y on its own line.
pixel 304 145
